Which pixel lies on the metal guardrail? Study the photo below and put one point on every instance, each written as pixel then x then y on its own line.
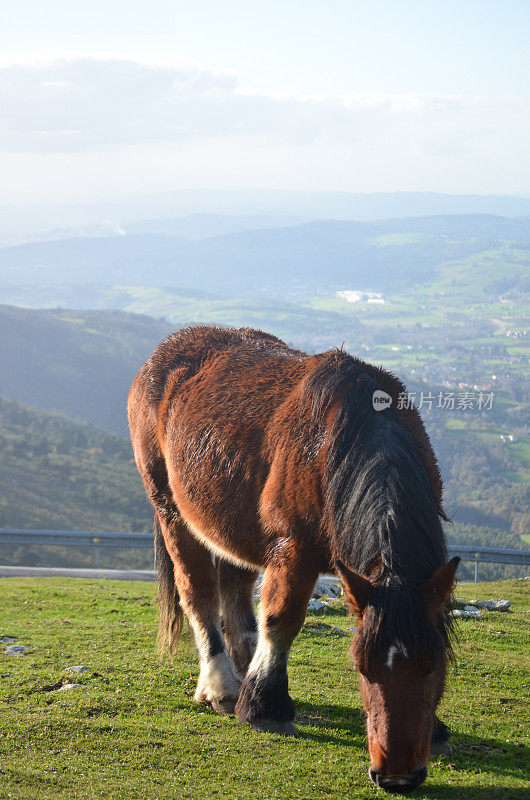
pixel 491 555
pixel 99 541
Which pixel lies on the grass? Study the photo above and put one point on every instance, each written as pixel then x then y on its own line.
pixel 132 730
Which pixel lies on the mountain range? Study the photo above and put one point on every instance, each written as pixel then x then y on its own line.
pixel 306 258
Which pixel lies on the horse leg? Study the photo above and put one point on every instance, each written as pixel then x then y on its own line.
pixel 237 612
pixel 197 584
pixel 264 700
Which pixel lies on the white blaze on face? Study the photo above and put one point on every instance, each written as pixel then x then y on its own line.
pixel 395 649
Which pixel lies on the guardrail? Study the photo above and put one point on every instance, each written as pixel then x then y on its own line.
pixel 101 541
pixel 98 541
pixel 492 555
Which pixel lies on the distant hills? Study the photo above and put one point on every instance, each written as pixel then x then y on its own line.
pixel 316 256
pixel 191 226
pixel 19 222
pixel 203 226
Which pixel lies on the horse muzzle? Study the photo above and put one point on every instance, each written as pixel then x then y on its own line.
pixel 398 783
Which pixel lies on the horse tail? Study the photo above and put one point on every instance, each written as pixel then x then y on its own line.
pixel 170 616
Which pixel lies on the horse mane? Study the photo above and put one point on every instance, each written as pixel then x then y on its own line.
pixel 380 509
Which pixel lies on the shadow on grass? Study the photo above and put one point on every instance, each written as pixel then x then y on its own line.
pixel 494 755
pixel 344 719
pixel 497 792
pixel 470 753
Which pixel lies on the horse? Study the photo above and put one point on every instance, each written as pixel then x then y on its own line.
pixel 256 456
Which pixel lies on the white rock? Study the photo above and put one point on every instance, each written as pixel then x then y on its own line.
pixel 8 639
pixel 326 588
pixel 469 612
pixel 315 605
pixel 15 650
pixel 492 605
pixel 77 668
pixel 66 686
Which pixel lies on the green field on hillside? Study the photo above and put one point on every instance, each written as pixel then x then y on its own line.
pixel 59 473
pixel 132 730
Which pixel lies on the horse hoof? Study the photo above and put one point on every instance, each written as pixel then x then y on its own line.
pixel 440 749
pixel 224 706
pixel 273 726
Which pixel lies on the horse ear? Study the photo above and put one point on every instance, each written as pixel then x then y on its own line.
pixel 357 588
pixel 439 587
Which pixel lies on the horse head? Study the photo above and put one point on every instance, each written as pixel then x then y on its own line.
pixel 400 650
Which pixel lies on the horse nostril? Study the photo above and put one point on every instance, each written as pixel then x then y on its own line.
pixel 398 783
pixel 375 776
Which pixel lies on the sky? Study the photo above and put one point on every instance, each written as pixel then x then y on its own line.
pixel 122 99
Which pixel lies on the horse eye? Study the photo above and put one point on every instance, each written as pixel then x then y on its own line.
pixel 428 670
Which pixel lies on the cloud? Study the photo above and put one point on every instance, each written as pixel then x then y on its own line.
pixel 73 102
pixel 77 126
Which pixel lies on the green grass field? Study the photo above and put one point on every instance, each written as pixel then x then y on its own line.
pixel 133 731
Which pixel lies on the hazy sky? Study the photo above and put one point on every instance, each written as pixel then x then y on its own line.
pixel 124 97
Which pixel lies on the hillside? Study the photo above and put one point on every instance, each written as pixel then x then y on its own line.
pixel 131 729
pixel 78 362
pixel 60 474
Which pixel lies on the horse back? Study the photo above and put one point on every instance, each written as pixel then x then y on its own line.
pixel 219 409
pixel 222 418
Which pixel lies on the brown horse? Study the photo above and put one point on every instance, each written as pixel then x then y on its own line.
pixel 256 456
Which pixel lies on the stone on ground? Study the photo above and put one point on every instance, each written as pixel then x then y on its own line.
pixel 326 588
pixel 66 686
pixel 15 650
pixel 492 605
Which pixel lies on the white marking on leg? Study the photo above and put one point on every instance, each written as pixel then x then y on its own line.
pixel 396 649
pixel 218 677
pixel 267 654
pixel 263 657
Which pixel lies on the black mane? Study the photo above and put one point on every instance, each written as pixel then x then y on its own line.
pixel 380 508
